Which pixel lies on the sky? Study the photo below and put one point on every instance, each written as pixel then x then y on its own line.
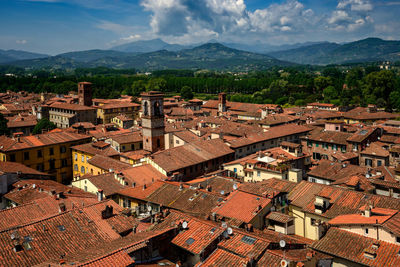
pixel 56 26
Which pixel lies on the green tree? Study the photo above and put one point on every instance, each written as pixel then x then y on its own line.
pixel 186 92
pixel 156 84
pixel 330 93
pixel 43 124
pixel 3 126
pixel 321 82
pixel 138 87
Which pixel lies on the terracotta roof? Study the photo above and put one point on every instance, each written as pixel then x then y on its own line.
pixel 140 192
pixel 97 148
pixel 246 245
pixel 352 247
pixel 130 137
pixel 242 206
pixel 106 182
pixel 135 155
pixel 333 137
pixel 75 107
pixel 15 167
pixel 272 133
pixel 107 163
pixel 378 216
pixel 8 144
pixel 342 201
pixel 26 191
pixel 222 257
pixel 21 121
pixel 187 136
pixel 192 201
pixel 268 187
pixel 121 104
pixel 142 175
pixel 279 217
pixel 70 231
pixel 215 184
pixel 190 154
pixel 334 171
pixel 198 235
pixel 376 149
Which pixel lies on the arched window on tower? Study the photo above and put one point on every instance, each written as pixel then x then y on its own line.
pixel 157 110
pixel 145 108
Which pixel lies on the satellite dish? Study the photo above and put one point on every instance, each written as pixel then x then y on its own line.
pixel 149 208
pixel 224 225
pixel 225 234
pixel 229 231
pixel 185 225
pixel 235 186
pixel 222 192
pixel 282 243
pixel 284 263
pixel 367 175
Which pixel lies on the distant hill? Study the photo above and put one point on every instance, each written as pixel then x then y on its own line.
pixel 149 46
pixel 13 55
pixel 213 56
pixel 370 49
pixel 96 54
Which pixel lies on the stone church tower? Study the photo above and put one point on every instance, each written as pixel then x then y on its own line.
pixel 153 121
pixel 85 93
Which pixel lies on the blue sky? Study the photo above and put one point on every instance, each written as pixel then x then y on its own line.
pixel 55 26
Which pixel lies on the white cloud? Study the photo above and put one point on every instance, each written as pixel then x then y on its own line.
pixel 351 15
pixel 182 20
pixel 131 37
pixel 21 42
pixel 355 5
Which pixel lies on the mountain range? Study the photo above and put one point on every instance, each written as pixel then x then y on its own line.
pixel 208 56
pixel 157 54
pixel 14 55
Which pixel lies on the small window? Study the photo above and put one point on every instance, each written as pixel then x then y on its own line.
pixel 379 163
pixel 51 151
pixel 83 158
pixel 248 240
pixel 258 173
pixel 76 156
pixel 52 164
pixel 39 154
pixel 64 163
pixel 63 149
pixel 235 170
pixel 397 239
pixel 82 170
pixel 12 157
pixel 189 241
pixel 76 167
pixel 366 231
pixel 26 155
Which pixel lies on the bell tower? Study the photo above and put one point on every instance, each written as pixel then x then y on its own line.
pixel 153 121
pixel 221 103
pixel 85 93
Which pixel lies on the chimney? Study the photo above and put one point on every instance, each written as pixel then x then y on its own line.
pixel 107 212
pixel 62 208
pixel 100 195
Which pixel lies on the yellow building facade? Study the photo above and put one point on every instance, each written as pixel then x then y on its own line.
pixel 49 153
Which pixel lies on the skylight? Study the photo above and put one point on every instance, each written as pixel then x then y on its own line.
pixel 248 240
pixel 189 241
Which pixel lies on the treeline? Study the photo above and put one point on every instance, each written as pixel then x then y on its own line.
pixel 341 85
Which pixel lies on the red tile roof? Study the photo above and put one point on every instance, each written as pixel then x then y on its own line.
pixel 8 144
pixel 352 247
pixel 222 257
pixel 242 206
